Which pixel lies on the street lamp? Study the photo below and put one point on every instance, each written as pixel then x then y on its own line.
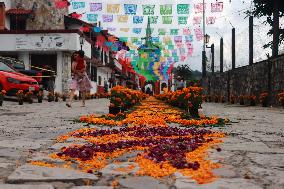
pixel 204 44
pixel 207 39
pixel 82 40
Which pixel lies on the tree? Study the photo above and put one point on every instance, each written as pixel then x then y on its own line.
pixel 272 10
pixel 183 71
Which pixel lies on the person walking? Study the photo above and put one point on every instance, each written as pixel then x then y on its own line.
pixel 80 80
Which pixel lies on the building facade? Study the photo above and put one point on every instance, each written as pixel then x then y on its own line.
pixel 39 34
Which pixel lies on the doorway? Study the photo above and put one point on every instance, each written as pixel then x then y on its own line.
pixel 42 60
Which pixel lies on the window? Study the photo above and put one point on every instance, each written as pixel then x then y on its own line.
pixel 4 67
pixel 94 73
pixel 106 58
pixel 102 56
pixel 18 22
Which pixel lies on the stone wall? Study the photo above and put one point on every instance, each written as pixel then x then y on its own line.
pixel 46 15
pixel 248 80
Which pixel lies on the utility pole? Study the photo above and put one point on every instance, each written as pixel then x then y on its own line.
pixel 203 52
pixel 213 58
pixel 250 40
pixel 233 48
pixel 221 55
pixel 275 26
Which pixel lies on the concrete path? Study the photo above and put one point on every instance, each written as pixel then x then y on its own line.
pixel 252 155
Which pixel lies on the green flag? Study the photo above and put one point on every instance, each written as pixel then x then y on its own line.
pixel 167 19
pixel 182 20
pixel 148 9
pixel 154 19
pixel 183 8
pixel 166 9
pixel 162 31
pixel 174 31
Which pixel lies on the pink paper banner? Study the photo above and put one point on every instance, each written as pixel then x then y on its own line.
pixel 217 7
pixel 198 34
pixel 198 8
pixel 197 20
pixel 210 20
pixel 186 31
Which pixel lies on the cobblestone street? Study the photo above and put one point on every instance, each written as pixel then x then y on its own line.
pixel 252 154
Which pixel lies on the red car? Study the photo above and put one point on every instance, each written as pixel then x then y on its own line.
pixel 12 81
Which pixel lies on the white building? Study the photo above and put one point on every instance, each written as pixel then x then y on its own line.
pixel 49 44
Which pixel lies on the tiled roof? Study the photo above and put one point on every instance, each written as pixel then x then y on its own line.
pixel 18 11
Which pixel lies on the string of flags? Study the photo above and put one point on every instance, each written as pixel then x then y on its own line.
pixel 174 44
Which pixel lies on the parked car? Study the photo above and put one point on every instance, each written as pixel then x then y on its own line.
pixel 12 81
pixel 20 67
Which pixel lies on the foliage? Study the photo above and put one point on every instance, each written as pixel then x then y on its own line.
pixel 264 8
pixel 281 97
pixel 20 94
pixel 183 71
pixel 263 97
pixel 2 94
pixel 124 97
pixel 188 99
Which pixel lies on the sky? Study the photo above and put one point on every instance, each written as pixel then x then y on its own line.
pixel 232 16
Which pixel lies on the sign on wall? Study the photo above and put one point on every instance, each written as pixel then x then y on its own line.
pixel 40 42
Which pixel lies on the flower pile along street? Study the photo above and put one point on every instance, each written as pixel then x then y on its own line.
pixel 153 112
pixel 163 149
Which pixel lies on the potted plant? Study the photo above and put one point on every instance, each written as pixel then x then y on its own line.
pixel 232 99
pixel 222 99
pixel 40 96
pixel 56 95
pixel 64 97
pixel 204 98
pixel 281 98
pixel 113 109
pixel 209 98
pixel 2 95
pixel 216 98
pixel 252 100
pixel 20 97
pixel 242 99
pixel 263 99
pixel 29 97
pixel 50 97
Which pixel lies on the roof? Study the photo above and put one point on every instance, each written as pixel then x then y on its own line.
pixel 18 11
pixel 69 19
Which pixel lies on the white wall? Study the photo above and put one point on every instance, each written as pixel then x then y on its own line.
pixel 94 87
pixel 105 73
pixel 33 42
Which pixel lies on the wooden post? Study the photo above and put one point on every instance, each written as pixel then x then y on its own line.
pixel 275 44
pixel 203 64
pixel 250 40
pixel 213 58
pixel 233 48
pixel 221 55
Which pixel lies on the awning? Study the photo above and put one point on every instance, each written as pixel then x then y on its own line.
pixel 18 12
